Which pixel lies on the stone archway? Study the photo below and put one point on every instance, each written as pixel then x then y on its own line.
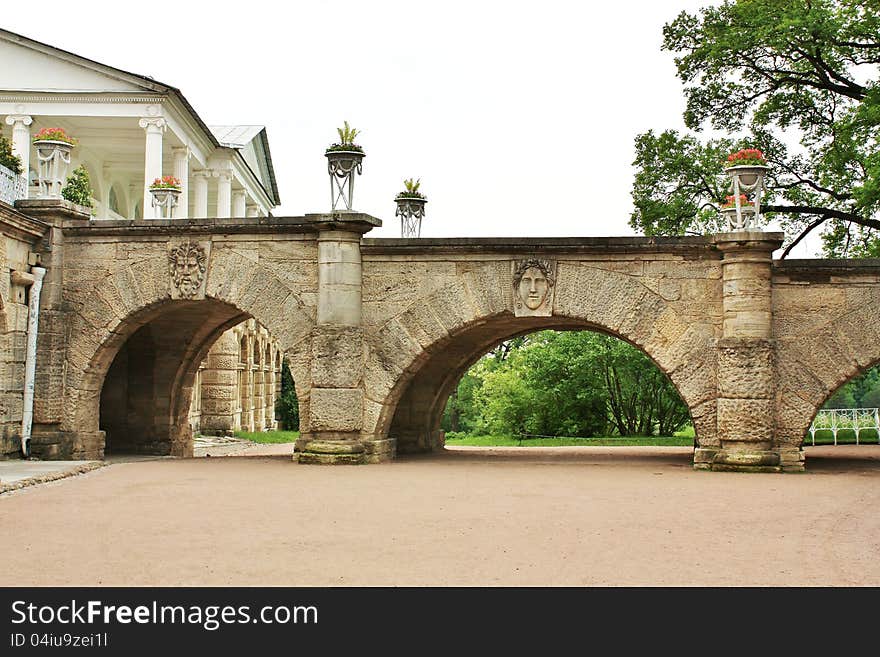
pixel 813 365
pixel 147 302
pixel 415 359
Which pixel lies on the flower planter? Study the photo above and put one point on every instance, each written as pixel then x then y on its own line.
pixel 411 211
pixel 343 165
pixel 744 221
pixel 164 200
pixel 748 174
pixel 411 206
pixel 340 163
pixel 53 160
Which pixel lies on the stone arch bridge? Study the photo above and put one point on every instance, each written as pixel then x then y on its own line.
pixel 378 331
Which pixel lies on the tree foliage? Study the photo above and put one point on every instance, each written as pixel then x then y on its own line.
pixel 287 404
pixel 860 392
pixel 565 384
pixel 7 158
pixel 798 79
pixel 78 188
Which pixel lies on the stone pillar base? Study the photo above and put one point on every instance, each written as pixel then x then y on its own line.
pixel 777 459
pixel 329 451
pixel 379 451
pixel 56 445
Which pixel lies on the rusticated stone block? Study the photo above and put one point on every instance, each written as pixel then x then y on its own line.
pixel 745 368
pixel 337 357
pixel 745 420
pixel 421 323
pixel 336 409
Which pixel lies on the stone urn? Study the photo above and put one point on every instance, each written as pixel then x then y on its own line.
pixel 744 220
pixel 165 199
pixel 749 175
pixel 53 160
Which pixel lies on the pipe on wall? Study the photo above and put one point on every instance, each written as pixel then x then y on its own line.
pixel 35 279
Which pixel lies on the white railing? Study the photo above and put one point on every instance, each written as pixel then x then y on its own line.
pixel 12 186
pixel 852 419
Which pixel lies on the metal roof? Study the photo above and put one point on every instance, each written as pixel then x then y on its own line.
pixel 235 136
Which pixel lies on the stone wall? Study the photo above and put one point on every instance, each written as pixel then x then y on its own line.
pixel 19 236
pixel 826 320
pixel 433 307
pixel 177 286
pixel 378 332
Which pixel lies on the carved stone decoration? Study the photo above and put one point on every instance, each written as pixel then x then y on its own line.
pixel 188 265
pixel 533 283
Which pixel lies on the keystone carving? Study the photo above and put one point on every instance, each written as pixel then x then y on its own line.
pixel 533 283
pixel 188 262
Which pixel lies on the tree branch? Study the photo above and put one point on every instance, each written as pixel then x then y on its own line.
pixel 803 234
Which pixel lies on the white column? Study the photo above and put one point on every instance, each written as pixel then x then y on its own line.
pixel 239 203
pixel 200 190
pixel 154 128
pixel 224 193
pixel 21 140
pixel 181 172
pixel 253 211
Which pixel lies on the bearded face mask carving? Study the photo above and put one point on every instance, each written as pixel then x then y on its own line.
pixel 188 264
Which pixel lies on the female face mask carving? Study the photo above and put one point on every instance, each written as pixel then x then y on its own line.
pixel 533 288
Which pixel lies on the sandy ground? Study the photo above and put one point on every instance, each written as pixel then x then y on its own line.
pixel 469 516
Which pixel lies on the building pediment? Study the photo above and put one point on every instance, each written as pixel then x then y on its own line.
pixel 32 66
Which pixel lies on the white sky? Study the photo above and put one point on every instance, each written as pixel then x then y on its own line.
pixel 519 118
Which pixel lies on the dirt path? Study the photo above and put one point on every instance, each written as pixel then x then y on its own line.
pixel 470 516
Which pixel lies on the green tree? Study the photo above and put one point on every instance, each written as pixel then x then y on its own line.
pixel 769 73
pixel 569 383
pixel 78 188
pixel 859 392
pixel 461 411
pixel 287 404
pixel 7 159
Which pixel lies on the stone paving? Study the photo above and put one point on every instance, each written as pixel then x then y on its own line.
pixel 17 473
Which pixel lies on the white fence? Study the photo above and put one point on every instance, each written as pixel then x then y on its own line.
pixel 852 419
pixel 12 186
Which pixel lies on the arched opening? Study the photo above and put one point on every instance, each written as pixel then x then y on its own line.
pixel 414 413
pixel 151 369
pixel 851 413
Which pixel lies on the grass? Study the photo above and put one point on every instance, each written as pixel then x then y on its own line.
pixel 268 437
pixel 616 441
pixel 844 437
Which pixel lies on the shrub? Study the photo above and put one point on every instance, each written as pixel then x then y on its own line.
pixel 78 189
pixel 7 159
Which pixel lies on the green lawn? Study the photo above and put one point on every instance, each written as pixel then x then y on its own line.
pixel 268 436
pixel 844 437
pixel 502 441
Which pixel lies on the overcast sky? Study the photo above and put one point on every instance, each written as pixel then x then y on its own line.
pixel 519 117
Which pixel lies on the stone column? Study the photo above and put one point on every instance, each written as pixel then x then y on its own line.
pixel 259 404
pixel 270 396
pixel 746 371
pixel 200 193
pixel 239 203
pixel 21 140
pixel 336 398
pixel 220 387
pixel 154 127
pixel 224 193
pixel 181 172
